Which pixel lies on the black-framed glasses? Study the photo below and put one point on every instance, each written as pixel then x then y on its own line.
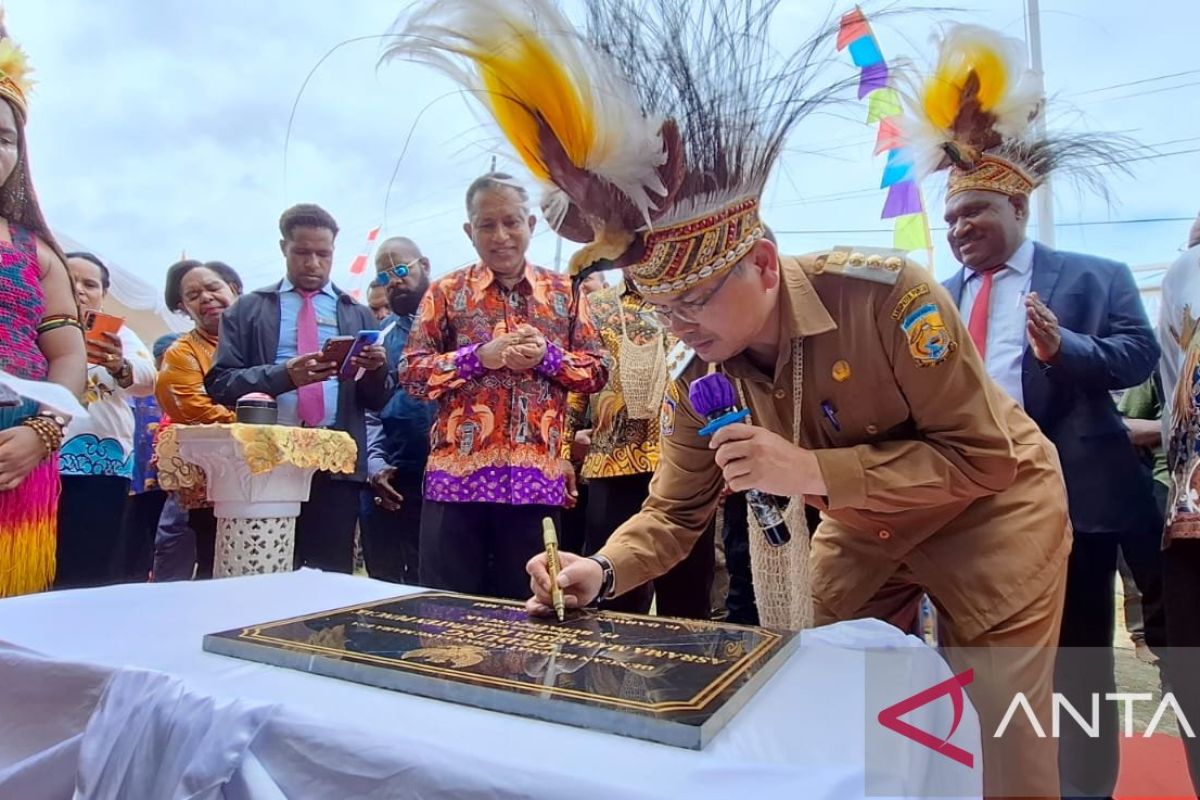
pixel 395 273
pixel 689 312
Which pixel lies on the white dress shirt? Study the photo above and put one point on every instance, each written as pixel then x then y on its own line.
pixel 1006 317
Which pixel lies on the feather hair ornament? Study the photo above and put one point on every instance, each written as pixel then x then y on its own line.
pixel 979 94
pixel 15 82
pixel 974 112
pixel 565 108
pixel 711 66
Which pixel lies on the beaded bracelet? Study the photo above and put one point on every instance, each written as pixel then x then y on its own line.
pixel 47 431
pixel 56 321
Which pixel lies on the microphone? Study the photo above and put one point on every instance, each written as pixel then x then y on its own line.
pixel 713 396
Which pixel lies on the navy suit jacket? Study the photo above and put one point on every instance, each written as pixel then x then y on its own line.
pixel 1107 344
pixel 245 362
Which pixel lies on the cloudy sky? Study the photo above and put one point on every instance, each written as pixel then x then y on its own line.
pixel 159 127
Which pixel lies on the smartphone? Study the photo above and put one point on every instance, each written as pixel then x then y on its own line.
pixel 97 323
pixel 362 340
pixel 336 349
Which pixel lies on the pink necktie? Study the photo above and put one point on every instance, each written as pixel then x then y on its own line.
pixel 310 406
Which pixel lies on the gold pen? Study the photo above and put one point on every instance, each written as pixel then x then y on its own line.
pixel 550 538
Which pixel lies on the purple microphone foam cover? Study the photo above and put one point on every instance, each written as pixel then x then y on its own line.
pixel 712 393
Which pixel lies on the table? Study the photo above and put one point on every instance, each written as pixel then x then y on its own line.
pixel 108 689
pixel 256 477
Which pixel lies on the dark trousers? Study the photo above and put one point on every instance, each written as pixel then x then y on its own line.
pixel 740 604
pixel 481 548
pixel 325 529
pixel 682 592
pixel 135 551
pixel 185 545
pixel 1088 766
pixel 91 510
pixel 203 522
pixel 740 607
pixel 391 539
pixel 574 521
pixel 1181 596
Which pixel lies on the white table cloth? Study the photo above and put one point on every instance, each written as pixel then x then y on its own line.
pixel 106 693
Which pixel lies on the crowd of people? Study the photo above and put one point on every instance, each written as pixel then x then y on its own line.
pixel 955 442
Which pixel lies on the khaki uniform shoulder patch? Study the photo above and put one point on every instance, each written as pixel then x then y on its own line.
pixel 876 264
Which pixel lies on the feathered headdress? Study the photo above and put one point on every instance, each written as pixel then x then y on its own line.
pixel 974 112
pixel 14 71
pixel 607 167
pixel 657 131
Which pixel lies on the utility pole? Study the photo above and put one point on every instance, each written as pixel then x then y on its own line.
pixel 1045 203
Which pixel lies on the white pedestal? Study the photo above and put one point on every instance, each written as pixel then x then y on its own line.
pixel 256 514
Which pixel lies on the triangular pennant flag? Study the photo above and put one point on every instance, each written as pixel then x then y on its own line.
pixel 853 26
pixel 883 103
pixel 897 169
pixel 872 78
pixel 911 233
pixel 358 265
pixel 864 52
pixel 903 198
pixel 890 137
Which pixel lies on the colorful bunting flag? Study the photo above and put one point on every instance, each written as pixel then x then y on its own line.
pixel 903 198
pixel 853 27
pixel 873 77
pixel 912 233
pixel 895 170
pixel 903 203
pixel 883 103
pixel 358 267
pixel 865 53
pixel 889 138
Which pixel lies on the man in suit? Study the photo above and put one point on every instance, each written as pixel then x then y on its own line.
pixel 271 342
pixel 1059 332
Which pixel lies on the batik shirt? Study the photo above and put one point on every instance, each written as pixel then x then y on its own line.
pixel 497 434
pixel 146 418
pixel 1179 335
pixel 620 445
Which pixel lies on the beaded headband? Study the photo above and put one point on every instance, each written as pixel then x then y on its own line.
pixel 679 257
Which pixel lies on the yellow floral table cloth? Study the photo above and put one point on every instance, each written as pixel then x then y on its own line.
pixel 263 447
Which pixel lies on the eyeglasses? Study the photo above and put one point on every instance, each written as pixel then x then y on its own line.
pixel 395 273
pixel 687 312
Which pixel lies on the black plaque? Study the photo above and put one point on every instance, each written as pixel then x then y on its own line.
pixel 666 680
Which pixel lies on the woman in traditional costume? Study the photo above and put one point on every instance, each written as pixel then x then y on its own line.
pixel 40 339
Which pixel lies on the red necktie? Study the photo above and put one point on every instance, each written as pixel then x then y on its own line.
pixel 977 325
pixel 310 405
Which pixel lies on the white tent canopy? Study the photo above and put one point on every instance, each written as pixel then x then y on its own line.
pixel 140 303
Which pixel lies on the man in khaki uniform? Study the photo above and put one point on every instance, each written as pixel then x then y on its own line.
pixel 929 477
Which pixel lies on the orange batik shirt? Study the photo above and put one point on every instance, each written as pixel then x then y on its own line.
pixel 497 433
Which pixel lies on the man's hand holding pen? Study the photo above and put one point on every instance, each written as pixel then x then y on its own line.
pixel 579 579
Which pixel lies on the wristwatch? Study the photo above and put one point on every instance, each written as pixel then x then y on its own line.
pixel 123 372
pixel 57 419
pixel 608 580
